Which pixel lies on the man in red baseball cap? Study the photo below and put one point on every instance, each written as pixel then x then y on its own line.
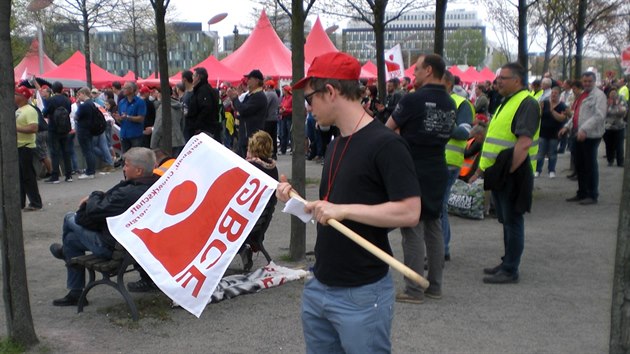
pixel 369 184
pixel 26 125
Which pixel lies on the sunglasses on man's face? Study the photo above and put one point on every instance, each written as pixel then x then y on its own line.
pixel 309 97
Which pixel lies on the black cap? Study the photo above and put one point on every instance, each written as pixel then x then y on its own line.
pixel 256 74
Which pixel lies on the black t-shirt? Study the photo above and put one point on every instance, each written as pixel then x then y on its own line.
pixel 549 126
pixel 375 168
pixel 426 119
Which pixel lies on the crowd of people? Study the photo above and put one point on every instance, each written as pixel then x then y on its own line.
pixel 385 165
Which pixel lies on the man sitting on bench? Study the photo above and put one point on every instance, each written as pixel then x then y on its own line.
pixel 86 230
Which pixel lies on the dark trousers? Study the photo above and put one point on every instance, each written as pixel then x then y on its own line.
pixel 128 143
pixel 614 145
pixel 87 148
pixel 285 125
pixel 28 179
pixel 271 127
pixel 59 148
pixel 513 227
pixel 586 168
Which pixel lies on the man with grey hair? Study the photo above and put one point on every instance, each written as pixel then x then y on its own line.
pixel 131 112
pixel 86 230
pixel 545 86
pixel 588 125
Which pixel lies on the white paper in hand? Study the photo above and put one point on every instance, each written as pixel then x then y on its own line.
pixel 296 207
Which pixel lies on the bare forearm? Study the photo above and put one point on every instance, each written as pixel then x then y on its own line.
pixel 404 213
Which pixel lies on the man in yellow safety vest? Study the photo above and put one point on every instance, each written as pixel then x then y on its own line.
pixel 455 152
pixel 514 128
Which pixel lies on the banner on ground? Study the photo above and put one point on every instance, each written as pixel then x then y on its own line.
pixel 394 66
pixel 185 230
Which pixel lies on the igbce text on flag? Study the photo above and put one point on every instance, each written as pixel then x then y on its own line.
pixel 186 229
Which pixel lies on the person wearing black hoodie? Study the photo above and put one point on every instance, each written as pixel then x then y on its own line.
pixel 203 108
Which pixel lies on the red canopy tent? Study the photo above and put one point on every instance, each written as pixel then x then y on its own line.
pixel 471 75
pixel 30 63
pixel 487 74
pixel 72 73
pixel 219 72
pixel 262 50
pixel 369 70
pixel 153 81
pixel 455 71
pixel 317 43
pixel 129 76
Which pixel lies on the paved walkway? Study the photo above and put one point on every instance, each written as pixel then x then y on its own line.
pixel 561 305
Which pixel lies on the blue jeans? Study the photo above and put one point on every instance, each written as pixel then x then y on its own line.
pixel 513 227
pixel 549 148
pixel 60 148
pixel 101 148
pixel 87 148
pixel 587 168
pixel 76 240
pixel 453 173
pixel 348 320
pixel 284 126
pixel 73 155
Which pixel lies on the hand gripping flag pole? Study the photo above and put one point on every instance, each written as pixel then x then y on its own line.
pixel 368 246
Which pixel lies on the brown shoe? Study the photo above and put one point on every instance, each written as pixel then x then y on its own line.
pixel 406 298
pixel 108 168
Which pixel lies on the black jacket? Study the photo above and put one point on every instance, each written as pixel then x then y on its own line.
pixel 203 109
pixel 495 177
pixel 51 104
pixel 252 113
pixel 101 205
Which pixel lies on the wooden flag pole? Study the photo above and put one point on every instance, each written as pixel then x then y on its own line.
pixel 379 253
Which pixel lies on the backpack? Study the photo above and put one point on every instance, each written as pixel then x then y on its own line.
pixel 97 121
pixel 61 117
pixel 42 125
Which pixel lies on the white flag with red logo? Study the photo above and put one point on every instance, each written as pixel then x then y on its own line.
pixel 394 66
pixel 185 230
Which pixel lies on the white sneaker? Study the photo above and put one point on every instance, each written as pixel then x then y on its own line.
pixel 536 175
pixel 552 175
pixel 84 176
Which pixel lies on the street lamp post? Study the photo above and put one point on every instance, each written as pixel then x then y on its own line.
pixel 33 6
pixel 215 35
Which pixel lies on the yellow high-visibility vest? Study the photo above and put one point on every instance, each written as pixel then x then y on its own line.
pixel 500 136
pixel 455 148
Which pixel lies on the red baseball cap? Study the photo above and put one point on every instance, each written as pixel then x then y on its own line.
pixel 333 65
pixel 23 91
pixel 270 83
pixel 144 89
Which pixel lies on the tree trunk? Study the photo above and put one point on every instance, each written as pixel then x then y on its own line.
pixel 579 36
pixel 620 309
pixel 522 35
pixel 440 18
pixel 548 46
pixel 297 246
pixel 14 283
pixel 379 39
pixel 86 48
pixel 165 87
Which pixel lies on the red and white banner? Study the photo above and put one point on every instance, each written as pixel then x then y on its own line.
pixel 625 59
pixel 185 230
pixel 394 66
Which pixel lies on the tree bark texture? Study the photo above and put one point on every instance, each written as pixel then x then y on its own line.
pixel 14 283
pixel 620 309
pixel 440 18
pixel 297 245
pixel 86 44
pixel 522 35
pixel 160 13
pixel 580 31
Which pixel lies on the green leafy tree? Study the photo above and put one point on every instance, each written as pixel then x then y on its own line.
pixel 465 46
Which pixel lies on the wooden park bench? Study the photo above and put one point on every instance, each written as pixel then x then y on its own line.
pixel 120 264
